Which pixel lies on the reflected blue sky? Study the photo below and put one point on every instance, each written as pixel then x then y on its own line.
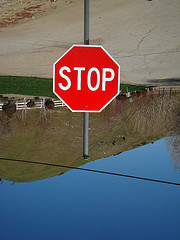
pixel 85 205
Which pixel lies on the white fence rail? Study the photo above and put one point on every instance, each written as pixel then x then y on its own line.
pixel 22 105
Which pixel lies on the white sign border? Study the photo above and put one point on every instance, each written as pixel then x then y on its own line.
pixel 118 90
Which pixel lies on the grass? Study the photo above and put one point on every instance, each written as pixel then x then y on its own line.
pixel 35 86
pixel 56 136
pixel 131 88
pixel 26 86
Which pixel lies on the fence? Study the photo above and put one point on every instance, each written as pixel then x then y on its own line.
pixel 22 105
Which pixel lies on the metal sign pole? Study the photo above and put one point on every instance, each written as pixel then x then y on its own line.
pixel 86 22
pixel 86 114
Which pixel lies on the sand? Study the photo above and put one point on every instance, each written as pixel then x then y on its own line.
pixel 142 36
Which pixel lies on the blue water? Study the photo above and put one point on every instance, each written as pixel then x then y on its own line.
pixel 85 205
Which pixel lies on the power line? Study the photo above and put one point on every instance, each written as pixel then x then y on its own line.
pixel 92 170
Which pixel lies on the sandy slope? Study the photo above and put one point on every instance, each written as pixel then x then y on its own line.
pixel 142 36
pixel 18 11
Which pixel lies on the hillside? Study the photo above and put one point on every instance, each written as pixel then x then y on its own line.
pixel 56 136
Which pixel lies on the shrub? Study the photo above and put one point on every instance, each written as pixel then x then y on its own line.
pixel 31 103
pixel 9 108
pixel 49 104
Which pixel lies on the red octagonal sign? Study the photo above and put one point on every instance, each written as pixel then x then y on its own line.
pixel 86 78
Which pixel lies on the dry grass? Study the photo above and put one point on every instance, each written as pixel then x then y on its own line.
pixel 55 136
pixel 153 114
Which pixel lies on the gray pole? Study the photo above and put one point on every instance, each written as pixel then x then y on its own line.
pixel 86 22
pixel 86 114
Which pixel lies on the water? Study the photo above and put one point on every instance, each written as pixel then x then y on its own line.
pixel 140 137
pixel 84 205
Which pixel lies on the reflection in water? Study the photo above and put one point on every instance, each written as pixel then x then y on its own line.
pixel 173 143
pixel 55 136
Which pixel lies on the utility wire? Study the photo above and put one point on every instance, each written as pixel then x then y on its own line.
pixel 91 170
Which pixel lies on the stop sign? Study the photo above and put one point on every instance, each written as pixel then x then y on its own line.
pixel 86 78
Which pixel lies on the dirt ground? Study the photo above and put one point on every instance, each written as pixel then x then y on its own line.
pixel 18 11
pixel 142 36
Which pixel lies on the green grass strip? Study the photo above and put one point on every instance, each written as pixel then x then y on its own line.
pixel 26 86
pixel 131 88
pixel 35 86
